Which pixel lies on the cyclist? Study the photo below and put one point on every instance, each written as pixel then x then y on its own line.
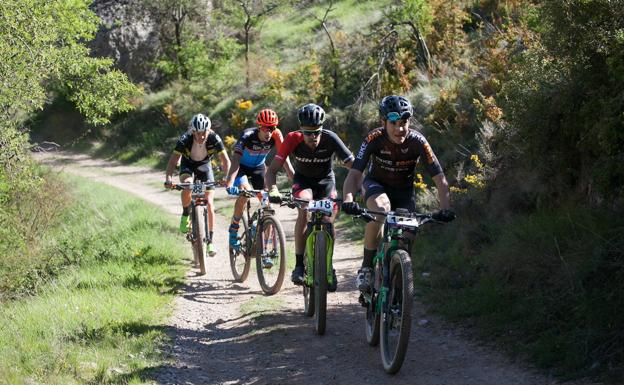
pixel 196 147
pixel 393 151
pixel 248 163
pixel 312 147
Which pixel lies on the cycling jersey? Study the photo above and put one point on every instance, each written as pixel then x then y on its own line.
pixel 201 153
pixel 313 163
pixel 254 151
pixel 393 164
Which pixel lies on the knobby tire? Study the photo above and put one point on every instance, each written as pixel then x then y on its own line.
pixel 240 262
pixel 271 279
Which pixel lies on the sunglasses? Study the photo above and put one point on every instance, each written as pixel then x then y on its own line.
pixel 312 133
pixel 267 128
pixel 394 116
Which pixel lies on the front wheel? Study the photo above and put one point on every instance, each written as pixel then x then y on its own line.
pixel 396 317
pixel 199 231
pixel 240 260
pixel 320 282
pixel 308 291
pixel 271 256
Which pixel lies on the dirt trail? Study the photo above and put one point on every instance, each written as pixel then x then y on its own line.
pixel 228 333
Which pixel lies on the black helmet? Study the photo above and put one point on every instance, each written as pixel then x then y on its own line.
pixel 398 104
pixel 311 115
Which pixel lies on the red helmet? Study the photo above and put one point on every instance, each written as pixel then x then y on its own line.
pixel 267 117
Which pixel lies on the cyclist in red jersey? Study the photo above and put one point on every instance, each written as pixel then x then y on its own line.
pixel 391 153
pixel 312 149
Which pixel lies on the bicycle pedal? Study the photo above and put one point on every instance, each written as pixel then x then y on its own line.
pixel 362 300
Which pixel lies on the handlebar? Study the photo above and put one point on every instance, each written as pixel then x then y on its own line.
pixel 189 186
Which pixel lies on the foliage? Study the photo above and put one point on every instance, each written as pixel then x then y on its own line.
pixel 103 283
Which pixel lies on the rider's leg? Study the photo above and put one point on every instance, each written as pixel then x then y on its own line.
pixel 372 236
pixel 239 206
pixel 300 239
pixel 186 203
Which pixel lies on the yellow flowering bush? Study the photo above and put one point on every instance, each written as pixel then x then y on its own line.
pixel 418 183
pixel 229 142
pixel 244 104
pixel 173 118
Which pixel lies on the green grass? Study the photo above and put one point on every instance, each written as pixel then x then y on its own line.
pixel 549 286
pixel 100 319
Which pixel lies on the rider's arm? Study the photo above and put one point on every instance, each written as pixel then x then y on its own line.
pixel 235 165
pixel 270 176
pixel 444 194
pixel 352 184
pixel 279 140
pixel 225 162
pixel 172 164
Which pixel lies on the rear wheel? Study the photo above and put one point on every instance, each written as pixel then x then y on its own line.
pixel 396 318
pixel 199 231
pixel 320 282
pixel 308 291
pixel 240 260
pixel 271 256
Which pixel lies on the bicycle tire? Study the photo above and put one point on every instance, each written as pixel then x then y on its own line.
pixel 398 302
pixel 373 318
pixel 199 230
pixel 320 282
pixel 269 282
pixel 308 291
pixel 240 261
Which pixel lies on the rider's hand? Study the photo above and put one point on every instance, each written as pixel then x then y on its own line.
pixel 352 208
pixel 444 216
pixel 274 195
pixel 168 183
pixel 233 190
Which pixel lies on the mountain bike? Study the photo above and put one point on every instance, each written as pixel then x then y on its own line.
pixel 261 236
pixel 389 304
pixel 197 232
pixel 317 257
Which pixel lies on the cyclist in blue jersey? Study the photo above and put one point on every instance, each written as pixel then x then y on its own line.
pixel 248 168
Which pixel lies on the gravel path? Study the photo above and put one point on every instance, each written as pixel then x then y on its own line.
pixel 223 332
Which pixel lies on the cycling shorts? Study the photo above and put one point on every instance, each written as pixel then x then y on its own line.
pixel 321 188
pixel 403 197
pixel 201 171
pixel 253 175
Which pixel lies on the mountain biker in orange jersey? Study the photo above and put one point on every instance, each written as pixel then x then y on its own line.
pixel 391 153
pixel 196 147
pixel 312 148
pixel 248 163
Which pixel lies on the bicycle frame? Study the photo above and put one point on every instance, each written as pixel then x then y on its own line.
pixel 315 225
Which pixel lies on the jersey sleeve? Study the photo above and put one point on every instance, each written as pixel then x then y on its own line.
pixel 291 141
pixel 239 146
pixel 342 152
pixel 181 145
pixel 278 138
pixel 366 149
pixel 429 159
pixel 218 143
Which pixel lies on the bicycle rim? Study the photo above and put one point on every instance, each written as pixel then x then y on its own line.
pixel 199 245
pixel 240 260
pixel 271 256
pixel 308 292
pixel 320 282
pixel 396 318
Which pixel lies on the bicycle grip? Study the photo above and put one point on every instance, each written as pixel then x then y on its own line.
pixel 367 217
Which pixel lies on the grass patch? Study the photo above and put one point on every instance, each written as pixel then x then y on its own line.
pixel 548 285
pixel 99 318
pixel 262 304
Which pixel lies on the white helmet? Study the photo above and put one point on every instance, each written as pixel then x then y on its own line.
pixel 199 123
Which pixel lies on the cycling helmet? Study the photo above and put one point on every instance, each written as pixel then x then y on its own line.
pixel 199 123
pixel 267 117
pixel 311 115
pixel 397 104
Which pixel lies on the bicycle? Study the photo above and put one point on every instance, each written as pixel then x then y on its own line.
pixel 317 257
pixel 389 304
pixel 196 233
pixel 260 236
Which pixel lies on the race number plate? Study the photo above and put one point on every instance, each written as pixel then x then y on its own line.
pixel 199 188
pixel 396 220
pixel 325 206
